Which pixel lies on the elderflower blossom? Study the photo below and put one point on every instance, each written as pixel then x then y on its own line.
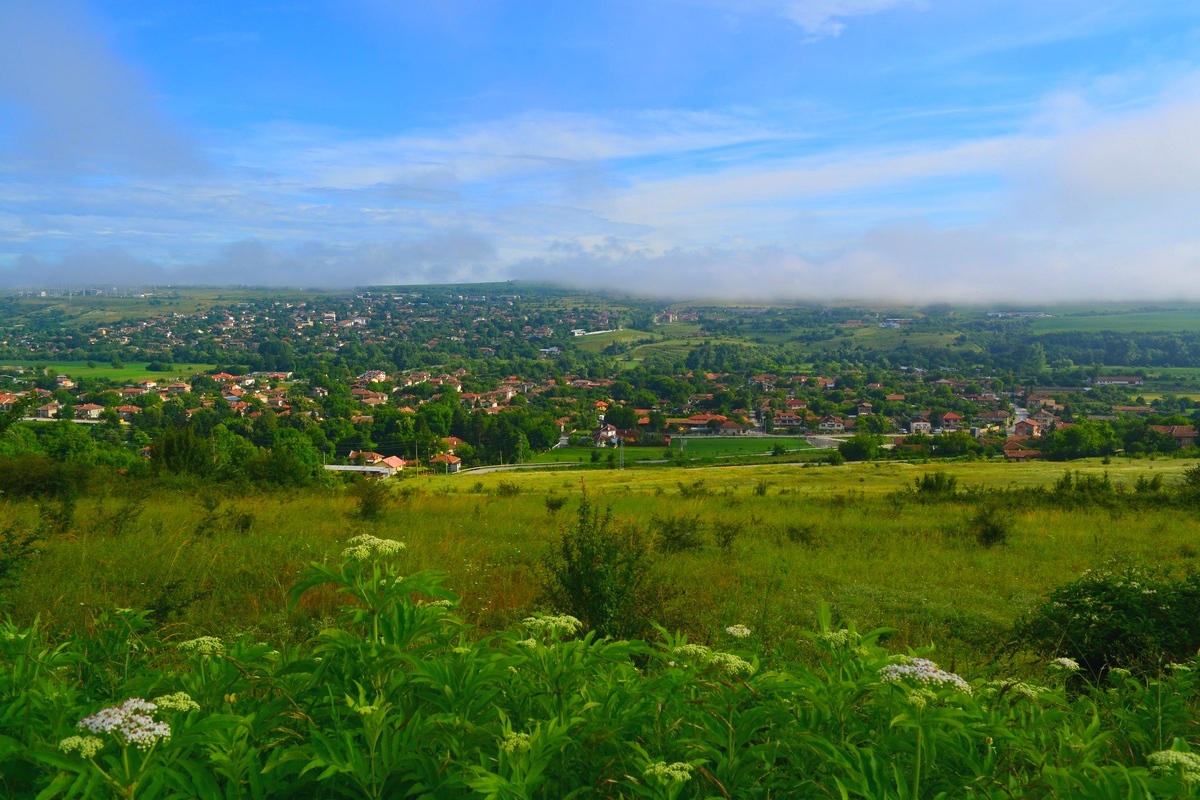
pixel 924 672
pixel 738 631
pixel 840 638
pixel 203 645
pixel 178 701
pixel 461 651
pixel 679 771
pixel 553 624
pixel 1174 667
pixel 697 652
pixel 1187 765
pixel 528 644
pixel 86 746
pixel 1029 691
pixel 131 721
pixel 919 698
pixel 514 743
pixel 731 664
pixel 1064 664
pixel 366 547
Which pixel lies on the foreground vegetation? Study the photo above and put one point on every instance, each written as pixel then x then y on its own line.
pixel 397 697
pixel 287 657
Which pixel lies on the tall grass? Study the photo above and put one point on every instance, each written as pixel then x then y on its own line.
pixel 217 564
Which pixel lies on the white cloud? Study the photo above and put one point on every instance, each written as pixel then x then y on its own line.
pixel 73 102
pixel 824 17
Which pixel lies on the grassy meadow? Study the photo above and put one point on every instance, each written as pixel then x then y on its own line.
pixel 126 373
pixel 215 563
pixel 1122 320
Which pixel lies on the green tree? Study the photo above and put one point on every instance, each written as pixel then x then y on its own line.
pixel 861 447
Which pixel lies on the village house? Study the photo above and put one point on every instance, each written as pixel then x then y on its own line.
pixel 127 413
pixel 1027 427
pixel 1184 435
pixel 88 411
pixel 831 424
pixel 450 462
pixel 950 421
pixel 1044 419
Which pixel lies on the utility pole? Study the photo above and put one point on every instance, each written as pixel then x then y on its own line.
pixel 621 452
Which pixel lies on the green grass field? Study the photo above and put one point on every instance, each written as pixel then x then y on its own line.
pixel 1124 321
pixel 127 373
pixel 696 447
pixel 597 342
pixel 703 447
pixel 805 534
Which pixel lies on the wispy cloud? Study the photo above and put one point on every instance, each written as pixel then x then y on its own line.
pixel 825 17
pixel 75 104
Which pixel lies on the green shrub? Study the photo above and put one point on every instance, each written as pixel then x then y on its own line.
pixel 554 503
pixel 803 534
pixel 508 489
pixel 600 573
pixel 726 532
pixel 1133 617
pixel 374 498
pixel 936 486
pixel 675 534
pixel 991 526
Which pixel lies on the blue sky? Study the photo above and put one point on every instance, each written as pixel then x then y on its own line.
pixel 894 149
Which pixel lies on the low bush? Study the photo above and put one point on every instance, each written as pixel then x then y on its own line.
pixel 936 486
pixel 677 533
pixel 991 526
pixel 1132 617
pixel 600 573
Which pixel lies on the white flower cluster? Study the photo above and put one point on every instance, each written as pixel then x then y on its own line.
pixel 552 624
pixel 842 638
pixel 919 698
pixel 1018 688
pixel 731 664
pixel 204 645
pixel 528 644
pixel 696 652
pixel 86 746
pixel 1176 667
pixel 925 672
pixel 702 656
pixel 1172 761
pixel 678 771
pixel 178 701
pixel 131 721
pixel 1064 664
pixel 738 631
pixel 514 743
pixel 435 603
pixel 366 547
